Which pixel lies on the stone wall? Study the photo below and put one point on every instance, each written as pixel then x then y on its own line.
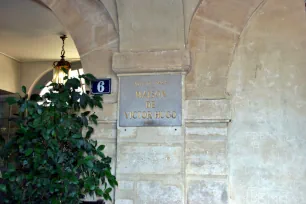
pixel 150 160
pixel 242 67
pixel 206 163
pixel 267 148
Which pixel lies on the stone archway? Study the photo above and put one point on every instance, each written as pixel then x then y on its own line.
pixel 214 33
pixel 247 52
pixel 213 36
pixel 88 22
pixel 94 33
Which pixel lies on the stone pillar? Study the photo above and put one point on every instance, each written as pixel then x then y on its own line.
pixel 206 163
pixel 150 160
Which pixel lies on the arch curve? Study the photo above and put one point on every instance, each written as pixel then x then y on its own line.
pixel 93 31
pixel 42 75
pixel 88 22
pixel 214 32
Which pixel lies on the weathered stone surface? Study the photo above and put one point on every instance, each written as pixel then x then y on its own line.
pixel 200 91
pixel 140 159
pixel 99 63
pixel 190 7
pixel 152 192
pixel 205 131
pixel 209 71
pixel 109 112
pixel 88 23
pixel 214 32
pixel 124 201
pixel 144 62
pixel 127 132
pixel 217 11
pixel 206 158
pixel 207 110
pixel 200 192
pixel 212 48
pixel 104 130
pixel 144 24
pixel 48 3
pixel 126 185
pixel 205 36
pixel 168 135
pixel 267 83
pixel 111 7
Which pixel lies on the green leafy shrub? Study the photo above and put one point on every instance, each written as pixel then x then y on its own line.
pixel 55 161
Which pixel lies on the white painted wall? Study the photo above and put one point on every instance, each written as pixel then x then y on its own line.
pixel 9 74
pixel 30 71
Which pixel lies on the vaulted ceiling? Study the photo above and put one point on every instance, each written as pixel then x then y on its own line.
pixel 30 32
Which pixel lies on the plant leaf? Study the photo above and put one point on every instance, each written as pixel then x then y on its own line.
pixel 11 100
pixel 101 148
pixel 99 192
pixel 28 151
pixel 3 188
pixel 24 89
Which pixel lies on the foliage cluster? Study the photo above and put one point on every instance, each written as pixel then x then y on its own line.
pixel 54 158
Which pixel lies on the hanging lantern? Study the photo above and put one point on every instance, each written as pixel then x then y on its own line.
pixel 60 66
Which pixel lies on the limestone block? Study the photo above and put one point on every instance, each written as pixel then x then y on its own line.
pixel 124 194
pixel 99 63
pixel 198 91
pixel 159 61
pixel 111 7
pixel 200 192
pixel 104 130
pixel 228 13
pixel 212 63
pixel 48 3
pixel 124 201
pixel 143 159
pixel 126 185
pixel 208 77
pixel 168 135
pixel 127 132
pixel 153 192
pixel 190 7
pixel 150 24
pixel 88 22
pixel 206 158
pixel 198 132
pixel 207 110
pixel 110 148
pixel 108 112
pixel 212 48
pixel 204 36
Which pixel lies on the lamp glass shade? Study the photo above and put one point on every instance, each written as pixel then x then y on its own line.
pixel 59 74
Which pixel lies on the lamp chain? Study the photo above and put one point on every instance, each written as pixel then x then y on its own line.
pixel 63 37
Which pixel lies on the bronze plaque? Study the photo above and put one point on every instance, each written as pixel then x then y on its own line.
pixel 150 100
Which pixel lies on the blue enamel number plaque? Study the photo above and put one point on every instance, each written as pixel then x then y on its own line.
pixel 101 86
